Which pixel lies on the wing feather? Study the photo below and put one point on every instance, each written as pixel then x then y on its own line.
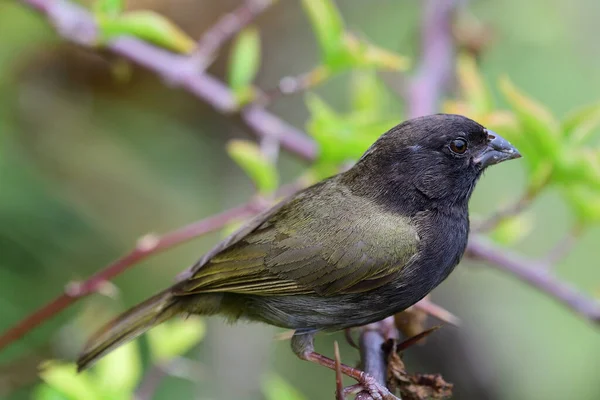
pixel 323 241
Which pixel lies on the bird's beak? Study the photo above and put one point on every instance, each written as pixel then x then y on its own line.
pixel 497 150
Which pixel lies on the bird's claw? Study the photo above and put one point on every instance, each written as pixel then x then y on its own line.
pixel 376 390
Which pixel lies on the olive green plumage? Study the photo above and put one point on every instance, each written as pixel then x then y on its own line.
pixel 347 251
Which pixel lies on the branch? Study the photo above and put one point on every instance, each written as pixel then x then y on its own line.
pixel 146 246
pixel 437 59
pixel 224 29
pixel 536 276
pixel 77 25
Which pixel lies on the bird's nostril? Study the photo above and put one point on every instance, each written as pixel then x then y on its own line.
pixel 491 137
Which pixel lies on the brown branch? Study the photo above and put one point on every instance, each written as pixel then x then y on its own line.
pixel 224 29
pixel 77 25
pixel 538 277
pixel 339 385
pixel 564 247
pixel 437 59
pixel 146 246
pixel 150 382
pixel 514 209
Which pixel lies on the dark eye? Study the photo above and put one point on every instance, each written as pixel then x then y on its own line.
pixel 458 146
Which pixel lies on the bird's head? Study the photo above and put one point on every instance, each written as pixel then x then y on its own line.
pixel 435 160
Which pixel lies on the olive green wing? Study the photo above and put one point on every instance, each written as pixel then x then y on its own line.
pixel 324 241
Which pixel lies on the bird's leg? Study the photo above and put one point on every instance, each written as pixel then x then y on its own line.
pixel 303 346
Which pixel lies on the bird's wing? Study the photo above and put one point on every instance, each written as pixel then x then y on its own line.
pixel 323 241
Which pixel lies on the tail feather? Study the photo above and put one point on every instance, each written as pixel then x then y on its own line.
pixel 128 326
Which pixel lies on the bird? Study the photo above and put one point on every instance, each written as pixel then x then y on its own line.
pixel 350 250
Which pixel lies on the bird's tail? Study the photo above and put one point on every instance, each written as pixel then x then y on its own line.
pixel 129 326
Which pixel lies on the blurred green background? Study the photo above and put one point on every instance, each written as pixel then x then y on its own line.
pixel 89 163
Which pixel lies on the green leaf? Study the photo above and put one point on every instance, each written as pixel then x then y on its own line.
pixel 368 93
pixel 476 93
pixel 120 371
pixel 342 138
pixel 512 230
pixel 541 134
pixel 585 202
pixel 362 54
pixel 45 392
pixel 580 124
pixel 64 378
pixel 249 157
pixel 328 26
pixel 582 166
pixel 244 60
pixel 146 25
pixel 175 338
pixel 275 388
pixel 109 8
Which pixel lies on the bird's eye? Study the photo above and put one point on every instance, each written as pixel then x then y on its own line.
pixel 458 146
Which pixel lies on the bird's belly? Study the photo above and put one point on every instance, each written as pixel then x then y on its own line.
pixel 335 312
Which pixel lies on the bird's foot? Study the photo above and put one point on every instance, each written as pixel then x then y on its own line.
pixel 367 383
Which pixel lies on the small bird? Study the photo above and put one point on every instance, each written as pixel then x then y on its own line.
pixel 348 251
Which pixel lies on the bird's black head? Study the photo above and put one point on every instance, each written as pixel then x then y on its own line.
pixel 426 162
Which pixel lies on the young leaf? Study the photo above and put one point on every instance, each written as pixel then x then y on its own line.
pixel 108 8
pixel 249 157
pixel 360 53
pixel 146 25
pixel 580 124
pixel 275 388
pixel 541 131
pixel 45 392
pixel 120 371
pixel 175 338
pixel 585 202
pixel 64 378
pixel 328 26
pixel 582 166
pixel 512 230
pixel 244 60
pixel 367 92
pixel 472 85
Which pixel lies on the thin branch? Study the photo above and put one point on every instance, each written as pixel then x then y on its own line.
pixel 150 382
pixel 224 29
pixel 289 85
pixel 77 25
pixel 510 211
pixel 339 386
pixel 372 355
pixel 538 277
pixel 564 247
pixel 437 59
pixel 146 246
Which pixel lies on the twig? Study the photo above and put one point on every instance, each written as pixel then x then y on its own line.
pixel 224 29
pixel 339 387
pixel 150 382
pixel 436 64
pixel 437 311
pixel 537 277
pixel 146 246
pixel 76 24
pixel 563 247
pixel 372 356
pixel 294 84
pixel 510 211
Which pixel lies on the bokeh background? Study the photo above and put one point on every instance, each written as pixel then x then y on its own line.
pixel 89 163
